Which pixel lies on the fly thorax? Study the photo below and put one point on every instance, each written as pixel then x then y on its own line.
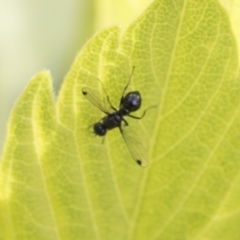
pixel 112 120
pixel 124 111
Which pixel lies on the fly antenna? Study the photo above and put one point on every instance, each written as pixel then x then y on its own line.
pixel 125 88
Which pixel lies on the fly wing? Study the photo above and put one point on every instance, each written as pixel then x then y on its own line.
pixel 135 146
pixel 96 99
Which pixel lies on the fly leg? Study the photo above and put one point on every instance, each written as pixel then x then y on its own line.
pixel 144 112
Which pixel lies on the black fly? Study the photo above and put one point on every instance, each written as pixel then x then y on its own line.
pixel 129 103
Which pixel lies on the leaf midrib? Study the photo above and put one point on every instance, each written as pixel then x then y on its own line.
pixel 154 137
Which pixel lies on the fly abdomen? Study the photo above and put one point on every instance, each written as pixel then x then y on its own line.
pixel 99 129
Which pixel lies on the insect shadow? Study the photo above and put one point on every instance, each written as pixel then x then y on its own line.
pixel 129 103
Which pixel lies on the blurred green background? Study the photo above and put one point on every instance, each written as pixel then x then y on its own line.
pixel 37 35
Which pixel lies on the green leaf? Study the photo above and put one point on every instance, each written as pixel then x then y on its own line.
pixel 119 12
pixel 58 181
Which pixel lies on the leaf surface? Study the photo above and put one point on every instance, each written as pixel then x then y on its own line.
pixel 58 181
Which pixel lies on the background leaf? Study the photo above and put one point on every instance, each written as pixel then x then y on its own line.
pixel 232 8
pixel 35 36
pixel 117 12
pixel 47 35
pixel 59 182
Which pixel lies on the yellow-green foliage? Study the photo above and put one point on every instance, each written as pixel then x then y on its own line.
pixel 58 181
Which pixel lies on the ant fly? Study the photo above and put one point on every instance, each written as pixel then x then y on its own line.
pixel 129 103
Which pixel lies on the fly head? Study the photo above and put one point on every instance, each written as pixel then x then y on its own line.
pixel 132 101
